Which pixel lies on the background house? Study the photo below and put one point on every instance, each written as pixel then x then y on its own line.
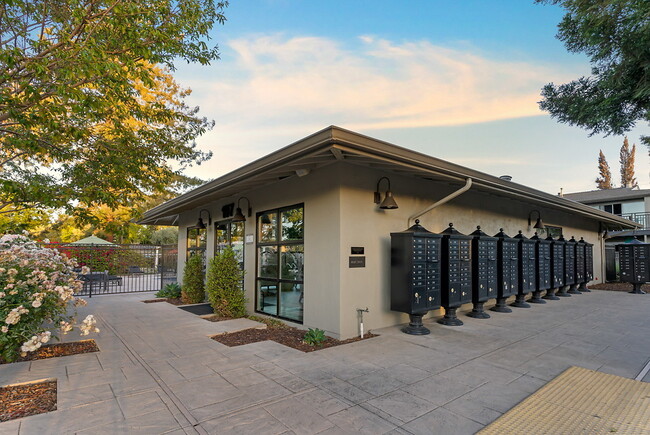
pixel 310 218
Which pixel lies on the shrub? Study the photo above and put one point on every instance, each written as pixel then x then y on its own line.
pixel 224 286
pixel 193 291
pixel 37 287
pixel 171 291
pixel 314 337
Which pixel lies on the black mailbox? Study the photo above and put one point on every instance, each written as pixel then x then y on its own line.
pixel 526 270
pixel 569 266
pixel 542 268
pixel 507 270
pixel 573 274
pixel 484 272
pixel 634 258
pixel 587 264
pixel 557 268
pixel 415 275
pixel 456 274
pixel 581 276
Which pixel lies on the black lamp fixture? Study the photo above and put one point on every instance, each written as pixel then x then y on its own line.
pixel 389 202
pixel 239 216
pixel 539 224
pixel 200 225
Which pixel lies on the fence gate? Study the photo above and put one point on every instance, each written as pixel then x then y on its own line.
pixel 122 268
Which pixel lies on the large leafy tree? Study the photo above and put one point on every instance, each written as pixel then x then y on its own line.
pixel 615 34
pixel 604 181
pixel 87 116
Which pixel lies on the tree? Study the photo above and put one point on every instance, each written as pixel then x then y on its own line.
pixel 605 179
pixel 87 115
pixel 627 165
pixel 616 37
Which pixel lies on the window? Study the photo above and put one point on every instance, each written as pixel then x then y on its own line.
pixel 196 241
pixel 280 263
pixel 613 208
pixel 554 232
pixel 231 234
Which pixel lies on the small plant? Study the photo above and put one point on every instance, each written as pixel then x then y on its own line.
pixel 170 291
pixel 224 285
pixel 314 337
pixel 193 291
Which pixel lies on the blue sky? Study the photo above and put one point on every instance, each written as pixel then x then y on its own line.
pixel 458 80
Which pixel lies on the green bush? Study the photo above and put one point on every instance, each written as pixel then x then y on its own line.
pixel 224 285
pixel 171 291
pixel 314 337
pixel 193 291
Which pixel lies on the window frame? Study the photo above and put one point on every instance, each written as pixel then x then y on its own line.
pixel 278 243
pixel 200 249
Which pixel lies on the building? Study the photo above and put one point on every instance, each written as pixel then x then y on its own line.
pixel 626 202
pixel 310 219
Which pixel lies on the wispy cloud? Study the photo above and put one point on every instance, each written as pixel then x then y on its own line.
pixel 277 81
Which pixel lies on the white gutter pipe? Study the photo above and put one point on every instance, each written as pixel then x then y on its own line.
pixel 465 188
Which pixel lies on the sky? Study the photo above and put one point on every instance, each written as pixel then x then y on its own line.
pixel 458 80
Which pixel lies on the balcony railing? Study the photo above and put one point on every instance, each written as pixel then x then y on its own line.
pixel 642 218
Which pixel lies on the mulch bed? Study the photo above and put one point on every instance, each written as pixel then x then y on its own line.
pixel 17 401
pixel 59 349
pixel 173 301
pixel 287 336
pixel 618 287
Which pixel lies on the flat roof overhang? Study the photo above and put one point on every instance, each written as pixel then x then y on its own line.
pixel 334 144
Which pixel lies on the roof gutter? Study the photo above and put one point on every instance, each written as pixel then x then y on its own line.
pixel 465 188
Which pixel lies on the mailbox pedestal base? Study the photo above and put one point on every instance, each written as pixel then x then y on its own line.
pixel 583 288
pixel 501 307
pixel 520 301
pixel 415 326
pixel 574 290
pixel 637 288
pixel 537 298
pixel 550 295
pixel 562 292
pixel 478 312
pixel 450 318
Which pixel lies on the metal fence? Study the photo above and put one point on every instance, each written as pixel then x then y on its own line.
pixel 122 268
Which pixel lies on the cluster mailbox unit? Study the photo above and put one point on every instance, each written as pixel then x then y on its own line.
pixel 585 267
pixel 526 272
pixel 542 268
pixel 507 270
pixel 456 273
pixel 557 268
pixel 430 270
pixel 484 272
pixel 415 275
pixel 634 258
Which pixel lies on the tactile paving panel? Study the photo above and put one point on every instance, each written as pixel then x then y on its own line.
pixel 580 401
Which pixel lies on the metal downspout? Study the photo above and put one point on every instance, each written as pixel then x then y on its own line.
pixel 465 188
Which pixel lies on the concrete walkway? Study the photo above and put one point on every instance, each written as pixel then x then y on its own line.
pixel 157 372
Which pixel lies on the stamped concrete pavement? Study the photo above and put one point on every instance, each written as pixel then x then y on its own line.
pixel 158 372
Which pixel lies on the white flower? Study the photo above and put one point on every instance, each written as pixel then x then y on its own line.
pixel 37 303
pixel 14 315
pixel 4 329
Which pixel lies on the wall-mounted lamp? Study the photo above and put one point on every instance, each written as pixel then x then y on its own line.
pixel 239 216
pixel 389 202
pixel 539 224
pixel 200 224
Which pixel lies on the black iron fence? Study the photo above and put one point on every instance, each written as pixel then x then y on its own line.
pixel 122 268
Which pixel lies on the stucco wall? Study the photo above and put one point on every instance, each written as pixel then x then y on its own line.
pixel 319 191
pixel 340 214
pixel 363 224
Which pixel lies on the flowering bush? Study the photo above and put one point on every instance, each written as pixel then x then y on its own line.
pixel 37 287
